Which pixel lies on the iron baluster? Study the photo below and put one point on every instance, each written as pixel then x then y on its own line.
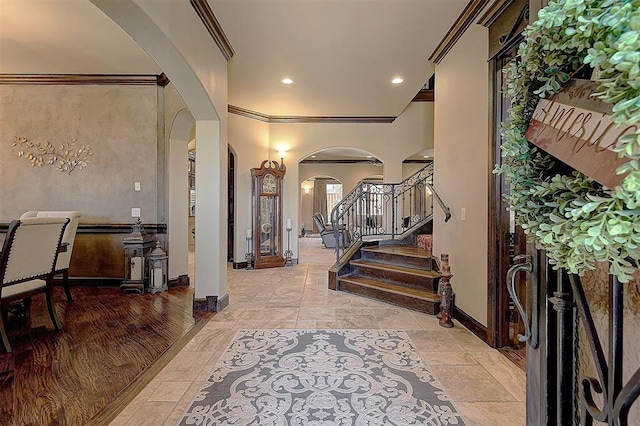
pixel 562 301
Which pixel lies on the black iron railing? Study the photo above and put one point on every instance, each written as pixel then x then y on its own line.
pixel 374 211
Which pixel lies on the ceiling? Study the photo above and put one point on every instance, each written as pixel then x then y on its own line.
pixel 341 54
pixel 66 37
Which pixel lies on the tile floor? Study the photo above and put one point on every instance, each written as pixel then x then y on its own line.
pixel 485 387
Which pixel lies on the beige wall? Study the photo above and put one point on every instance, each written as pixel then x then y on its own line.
pixel 410 168
pixel 462 169
pixel 249 140
pixel 120 123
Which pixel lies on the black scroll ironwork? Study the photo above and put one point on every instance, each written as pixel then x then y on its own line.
pixel 386 210
pixel 616 398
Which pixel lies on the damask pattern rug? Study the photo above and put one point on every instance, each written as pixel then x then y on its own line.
pixel 321 378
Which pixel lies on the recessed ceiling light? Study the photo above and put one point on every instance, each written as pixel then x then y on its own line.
pixel 426 156
pixel 369 156
pixel 313 156
pixel 397 80
pixel 287 80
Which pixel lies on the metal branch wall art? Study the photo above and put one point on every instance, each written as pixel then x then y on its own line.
pixel 66 157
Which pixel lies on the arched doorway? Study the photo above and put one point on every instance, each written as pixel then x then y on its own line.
pixel 318 194
pixel 179 201
pixel 154 31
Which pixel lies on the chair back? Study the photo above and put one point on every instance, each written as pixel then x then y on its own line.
pixel 69 237
pixel 319 221
pixel 30 249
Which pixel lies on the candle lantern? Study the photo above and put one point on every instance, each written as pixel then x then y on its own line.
pixel 158 266
pixel 137 246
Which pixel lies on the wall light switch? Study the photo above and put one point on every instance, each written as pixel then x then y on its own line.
pixel 136 186
pixel 135 212
pixel 463 214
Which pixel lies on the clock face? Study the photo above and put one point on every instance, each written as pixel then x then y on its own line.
pixel 269 184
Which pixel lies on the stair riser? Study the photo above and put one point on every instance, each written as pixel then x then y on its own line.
pixel 400 278
pixel 405 301
pixel 416 262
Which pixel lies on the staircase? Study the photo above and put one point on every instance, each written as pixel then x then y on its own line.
pixel 381 259
pixel 403 275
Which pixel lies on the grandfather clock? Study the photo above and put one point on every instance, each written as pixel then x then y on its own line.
pixel 266 194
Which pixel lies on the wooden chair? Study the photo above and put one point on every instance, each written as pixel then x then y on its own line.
pixel 27 264
pixel 64 258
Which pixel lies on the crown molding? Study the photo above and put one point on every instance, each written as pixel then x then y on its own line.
pixel 493 12
pixel 469 14
pixel 329 119
pixel 248 113
pixel 212 25
pixel 306 119
pixel 85 79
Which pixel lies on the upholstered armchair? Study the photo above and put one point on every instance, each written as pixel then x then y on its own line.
pixel 327 234
pixel 64 258
pixel 27 263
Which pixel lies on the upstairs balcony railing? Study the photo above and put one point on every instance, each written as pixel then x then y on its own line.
pixel 377 211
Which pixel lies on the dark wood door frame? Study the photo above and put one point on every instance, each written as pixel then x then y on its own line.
pixel 498 250
pixel 231 178
pixel 503 324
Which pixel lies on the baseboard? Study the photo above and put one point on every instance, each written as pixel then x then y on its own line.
pixel 468 321
pixel 182 280
pixel 211 303
pixel 91 281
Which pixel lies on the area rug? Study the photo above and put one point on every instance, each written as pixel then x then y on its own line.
pixel 321 378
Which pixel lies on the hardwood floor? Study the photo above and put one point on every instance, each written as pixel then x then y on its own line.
pixel 107 343
pixel 517 356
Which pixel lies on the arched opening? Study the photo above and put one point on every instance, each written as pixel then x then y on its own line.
pixel 318 194
pixel 154 35
pixel 180 203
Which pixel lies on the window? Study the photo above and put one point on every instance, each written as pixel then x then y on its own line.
pixel 334 195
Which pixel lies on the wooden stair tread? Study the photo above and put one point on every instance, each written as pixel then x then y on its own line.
pixel 396 268
pixel 392 288
pixel 408 251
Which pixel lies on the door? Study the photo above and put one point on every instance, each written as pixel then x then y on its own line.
pixel 506 240
pixel 549 334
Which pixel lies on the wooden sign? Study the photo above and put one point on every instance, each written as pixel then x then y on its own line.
pixel 578 129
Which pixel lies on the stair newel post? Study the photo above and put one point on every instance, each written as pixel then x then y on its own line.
pixel 446 292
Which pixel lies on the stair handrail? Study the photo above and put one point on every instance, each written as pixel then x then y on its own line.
pixel 443 206
pixel 351 218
